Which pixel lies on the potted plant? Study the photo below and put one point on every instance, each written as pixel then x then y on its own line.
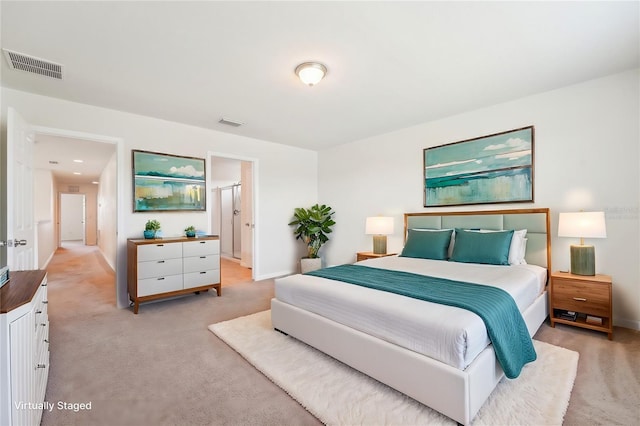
pixel 312 226
pixel 190 231
pixel 151 228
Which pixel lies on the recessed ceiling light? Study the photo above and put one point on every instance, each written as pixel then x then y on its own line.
pixel 95 183
pixel 78 161
pixel 230 122
pixel 53 162
pixel 77 173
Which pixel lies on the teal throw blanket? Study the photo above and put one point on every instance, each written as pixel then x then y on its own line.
pixel 505 325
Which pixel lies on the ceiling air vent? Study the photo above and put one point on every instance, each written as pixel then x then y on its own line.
pixel 20 61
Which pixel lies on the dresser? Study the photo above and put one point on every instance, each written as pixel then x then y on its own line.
pixel 24 342
pixel 166 267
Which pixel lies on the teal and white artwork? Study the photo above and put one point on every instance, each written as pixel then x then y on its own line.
pixel 496 168
pixel 164 182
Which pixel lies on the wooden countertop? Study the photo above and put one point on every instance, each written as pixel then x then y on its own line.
pixel 20 289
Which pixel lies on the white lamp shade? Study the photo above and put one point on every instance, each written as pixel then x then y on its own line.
pixel 310 73
pixel 582 225
pixel 379 225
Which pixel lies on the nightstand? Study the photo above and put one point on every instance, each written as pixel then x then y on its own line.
pixel 364 255
pixel 588 296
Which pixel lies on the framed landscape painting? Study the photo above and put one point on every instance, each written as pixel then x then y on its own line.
pixel 164 182
pixel 489 169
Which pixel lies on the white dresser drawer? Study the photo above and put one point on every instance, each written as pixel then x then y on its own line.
pixel 159 268
pixel 151 286
pixel 159 251
pixel 199 248
pixel 197 279
pixel 201 263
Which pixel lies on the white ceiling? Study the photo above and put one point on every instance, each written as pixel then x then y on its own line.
pixel 391 64
pixel 65 153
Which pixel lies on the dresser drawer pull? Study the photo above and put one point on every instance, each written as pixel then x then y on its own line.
pixel 160 261
pixel 41 366
pixel 46 340
pixel 45 301
pixel 161 278
pixel 159 245
pixel 579 299
pixel 44 324
pixel 38 312
pixel 203 257
pixel 203 272
pixel 203 242
pixel 43 284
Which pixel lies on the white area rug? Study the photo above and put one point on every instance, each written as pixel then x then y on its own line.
pixel 339 395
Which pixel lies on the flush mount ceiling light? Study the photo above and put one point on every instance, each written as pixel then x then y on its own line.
pixel 310 73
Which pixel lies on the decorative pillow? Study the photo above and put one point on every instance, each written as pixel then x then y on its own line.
pixel 482 247
pixel 450 248
pixel 517 249
pixel 427 245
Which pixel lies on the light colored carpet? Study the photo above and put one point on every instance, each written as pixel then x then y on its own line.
pixel 340 395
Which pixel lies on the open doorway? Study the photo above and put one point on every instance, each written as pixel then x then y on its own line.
pixel 72 225
pixel 231 216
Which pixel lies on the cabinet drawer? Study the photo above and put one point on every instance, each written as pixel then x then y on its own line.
pixel 578 297
pixel 201 263
pixel 159 251
pixel 159 268
pixel 197 279
pixel 158 285
pixel 200 248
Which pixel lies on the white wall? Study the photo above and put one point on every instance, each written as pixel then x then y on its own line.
pixel 285 177
pixel 44 202
pixel 107 211
pixel 586 157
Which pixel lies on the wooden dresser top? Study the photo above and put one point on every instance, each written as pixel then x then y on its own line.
pixel 142 241
pixel 20 289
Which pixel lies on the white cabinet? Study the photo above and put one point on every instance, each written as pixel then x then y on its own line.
pixel 168 267
pixel 24 342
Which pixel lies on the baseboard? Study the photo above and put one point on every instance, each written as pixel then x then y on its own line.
pixel 272 275
pixel 632 324
pixel 46 264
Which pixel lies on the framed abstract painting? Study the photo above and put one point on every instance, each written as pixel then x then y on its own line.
pixel 165 182
pixel 489 169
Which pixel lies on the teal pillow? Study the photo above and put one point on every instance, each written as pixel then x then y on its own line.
pixel 427 244
pixel 482 247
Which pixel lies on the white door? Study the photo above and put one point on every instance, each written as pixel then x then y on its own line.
pixel 246 256
pixel 72 218
pixel 21 252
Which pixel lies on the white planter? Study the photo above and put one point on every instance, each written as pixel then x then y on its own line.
pixel 308 265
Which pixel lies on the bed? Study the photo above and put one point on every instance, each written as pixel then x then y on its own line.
pixel 438 355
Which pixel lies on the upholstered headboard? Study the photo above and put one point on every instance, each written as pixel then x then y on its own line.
pixel 535 221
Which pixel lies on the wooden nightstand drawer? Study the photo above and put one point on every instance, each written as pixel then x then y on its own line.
pixel 579 297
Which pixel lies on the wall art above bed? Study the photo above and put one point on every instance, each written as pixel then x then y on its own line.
pixel 164 182
pixel 489 169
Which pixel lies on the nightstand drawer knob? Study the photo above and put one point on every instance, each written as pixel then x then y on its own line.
pixel 579 299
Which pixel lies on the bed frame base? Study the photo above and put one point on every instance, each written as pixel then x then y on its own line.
pixel 455 393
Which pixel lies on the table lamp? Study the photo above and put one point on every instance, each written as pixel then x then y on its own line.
pixel 379 227
pixel 582 225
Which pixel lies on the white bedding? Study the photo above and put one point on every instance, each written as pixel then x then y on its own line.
pixel 448 334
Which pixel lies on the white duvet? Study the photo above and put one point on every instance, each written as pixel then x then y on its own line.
pixel 448 334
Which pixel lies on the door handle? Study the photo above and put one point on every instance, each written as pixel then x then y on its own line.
pixel 13 243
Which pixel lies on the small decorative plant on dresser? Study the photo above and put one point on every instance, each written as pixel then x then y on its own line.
pixel 581 301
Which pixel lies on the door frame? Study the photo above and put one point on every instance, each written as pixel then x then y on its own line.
pixel 122 298
pixel 255 267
